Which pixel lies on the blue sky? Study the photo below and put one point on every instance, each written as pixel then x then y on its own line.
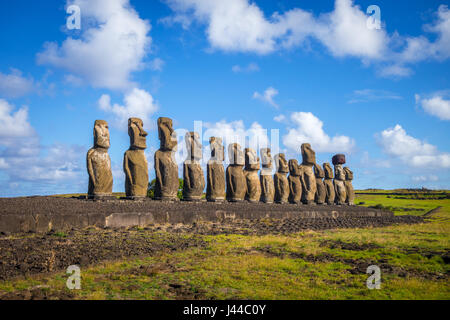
pixel 314 70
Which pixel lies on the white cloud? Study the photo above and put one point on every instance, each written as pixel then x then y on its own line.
pixel 255 137
pixel 267 96
pixel 60 164
pixel 24 160
pixel 240 25
pixel 425 178
pixel 415 153
pixel 437 106
pixel 157 64
pixel 367 95
pixel 251 67
pixel 13 124
pixel 395 71
pixel 367 161
pixel 309 129
pixel 113 43
pixel 344 32
pixel 420 48
pixel 3 164
pixel 137 103
pixel 280 118
pixel 14 85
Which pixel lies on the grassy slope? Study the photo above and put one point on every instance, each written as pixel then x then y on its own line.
pixel 307 265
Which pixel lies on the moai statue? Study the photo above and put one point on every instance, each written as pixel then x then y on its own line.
pixel 194 180
pixel 295 183
pixel 166 169
pixel 339 179
pixel 280 180
pixel 321 192
pixel 251 169
pixel 135 163
pixel 265 176
pixel 236 185
pixel 350 199
pixel 309 179
pixel 328 182
pixel 98 163
pixel 215 189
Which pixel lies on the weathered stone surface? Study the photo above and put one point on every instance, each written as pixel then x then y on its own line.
pixel 321 192
pixel 236 184
pixel 308 155
pixel 135 163
pixel 98 162
pixel 166 169
pixel 338 159
pixel 253 193
pixel 350 199
pixel 194 180
pixel 280 180
pixel 295 183
pixel 309 179
pixel 215 189
pixel 266 178
pixel 329 186
pixel 339 185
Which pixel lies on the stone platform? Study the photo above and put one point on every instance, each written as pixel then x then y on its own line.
pixel 42 214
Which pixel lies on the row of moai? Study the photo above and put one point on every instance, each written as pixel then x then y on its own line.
pixel 307 183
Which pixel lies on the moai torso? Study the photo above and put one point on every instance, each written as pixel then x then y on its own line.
pixel 350 198
pixel 99 163
pixel 166 169
pixel 321 192
pixel 328 182
pixel 236 184
pixel 194 180
pixel 266 178
pixel 253 193
pixel 295 183
pixel 309 179
pixel 339 184
pixel 280 180
pixel 135 163
pixel 215 188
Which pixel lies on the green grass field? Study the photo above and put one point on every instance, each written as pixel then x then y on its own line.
pixel 331 264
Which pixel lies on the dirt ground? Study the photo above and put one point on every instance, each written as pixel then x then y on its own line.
pixel 27 254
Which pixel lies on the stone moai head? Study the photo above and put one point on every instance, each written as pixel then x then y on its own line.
pixel 308 155
pixel 101 134
pixel 338 159
pixel 328 171
pixel 251 159
pixel 166 135
pixel 294 169
pixel 281 163
pixel 235 154
pixel 266 158
pixel 348 174
pixel 318 172
pixel 137 134
pixel 193 146
pixel 217 149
